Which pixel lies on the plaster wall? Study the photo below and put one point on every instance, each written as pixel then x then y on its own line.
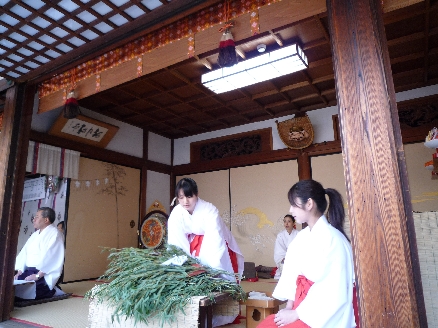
pixel 159 149
pixel 321 120
pixel 158 189
pixel 128 139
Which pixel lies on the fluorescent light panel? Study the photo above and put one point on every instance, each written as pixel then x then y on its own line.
pixel 268 66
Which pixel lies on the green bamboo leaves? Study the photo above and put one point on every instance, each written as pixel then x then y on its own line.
pixel 139 286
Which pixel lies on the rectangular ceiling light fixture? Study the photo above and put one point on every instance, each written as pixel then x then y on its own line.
pixel 268 66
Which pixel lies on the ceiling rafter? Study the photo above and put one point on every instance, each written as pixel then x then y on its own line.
pixel 172 101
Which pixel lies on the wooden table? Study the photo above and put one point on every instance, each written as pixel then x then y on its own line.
pixel 206 309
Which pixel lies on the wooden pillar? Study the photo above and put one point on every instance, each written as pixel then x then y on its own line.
pixel 373 165
pixel 144 177
pixel 172 174
pixel 14 142
pixel 304 166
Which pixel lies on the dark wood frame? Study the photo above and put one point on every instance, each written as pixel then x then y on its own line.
pixel 61 121
pixel 265 134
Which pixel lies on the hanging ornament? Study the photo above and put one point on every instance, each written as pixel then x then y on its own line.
pixel 71 106
pixel 52 183
pixel 227 49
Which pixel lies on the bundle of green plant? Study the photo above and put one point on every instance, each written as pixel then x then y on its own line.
pixel 141 287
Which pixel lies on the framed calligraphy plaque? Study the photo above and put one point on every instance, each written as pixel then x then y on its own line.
pixel 84 129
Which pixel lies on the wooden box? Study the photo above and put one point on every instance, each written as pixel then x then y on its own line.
pixel 257 310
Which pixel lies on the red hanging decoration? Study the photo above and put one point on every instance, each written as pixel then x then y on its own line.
pixel 71 106
pixel 227 49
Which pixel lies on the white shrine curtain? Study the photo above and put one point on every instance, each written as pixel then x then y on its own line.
pixel 50 160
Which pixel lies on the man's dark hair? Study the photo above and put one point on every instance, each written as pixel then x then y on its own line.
pixel 47 212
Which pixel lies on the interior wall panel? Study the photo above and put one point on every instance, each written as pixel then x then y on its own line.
pixel 424 190
pixel 100 215
pixel 158 189
pixel 329 171
pixel 258 206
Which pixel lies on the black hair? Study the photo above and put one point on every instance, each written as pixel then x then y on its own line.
pixel 306 189
pixel 62 224
pixel 47 212
pixel 290 216
pixel 188 186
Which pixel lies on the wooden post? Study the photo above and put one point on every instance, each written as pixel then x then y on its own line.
pixel 14 142
pixel 144 178
pixel 304 166
pixel 373 165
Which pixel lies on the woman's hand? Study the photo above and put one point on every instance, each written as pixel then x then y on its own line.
pixel 285 317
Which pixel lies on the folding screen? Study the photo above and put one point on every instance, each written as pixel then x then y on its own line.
pixel 103 212
pixel 258 206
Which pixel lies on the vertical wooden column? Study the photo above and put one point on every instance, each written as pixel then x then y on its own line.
pixel 144 180
pixel 372 164
pixel 14 142
pixel 172 175
pixel 304 166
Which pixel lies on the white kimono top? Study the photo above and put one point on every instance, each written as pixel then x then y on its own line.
pixel 45 251
pixel 205 221
pixel 282 243
pixel 324 257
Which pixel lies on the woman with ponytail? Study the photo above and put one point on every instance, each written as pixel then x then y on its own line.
pixel 318 276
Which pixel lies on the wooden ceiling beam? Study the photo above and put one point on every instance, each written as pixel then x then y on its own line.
pixel 241 53
pixel 248 96
pixel 402 59
pixel 406 39
pixel 315 89
pixel 276 38
pixel 322 28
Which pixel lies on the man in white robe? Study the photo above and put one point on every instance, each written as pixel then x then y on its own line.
pixel 326 259
pixel 42 257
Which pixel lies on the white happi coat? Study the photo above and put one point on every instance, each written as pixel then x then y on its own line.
pixel 205 221
pixel 324 257
pixel 45 251
pixel 282 243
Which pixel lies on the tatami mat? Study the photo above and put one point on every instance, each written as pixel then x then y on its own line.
pixel 79 288
pixel 73 312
